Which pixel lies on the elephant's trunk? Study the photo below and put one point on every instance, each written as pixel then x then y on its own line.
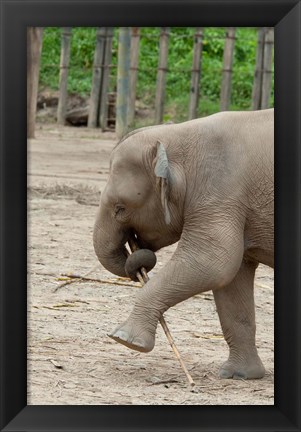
pixel 109 244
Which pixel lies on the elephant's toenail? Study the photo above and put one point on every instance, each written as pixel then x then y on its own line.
pixel 120 335
pixel 239 376
pixel 224 374
pixel 138 342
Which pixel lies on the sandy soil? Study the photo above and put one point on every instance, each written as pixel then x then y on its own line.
pixel 71 360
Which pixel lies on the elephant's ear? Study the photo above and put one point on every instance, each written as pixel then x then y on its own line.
pixel 162 173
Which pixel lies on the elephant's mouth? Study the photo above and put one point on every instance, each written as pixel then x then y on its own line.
pixel 144 244
pixel 154 240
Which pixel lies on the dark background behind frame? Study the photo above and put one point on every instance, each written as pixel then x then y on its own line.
pixel 15 17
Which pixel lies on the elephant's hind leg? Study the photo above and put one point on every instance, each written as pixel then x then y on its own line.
pixel 236 310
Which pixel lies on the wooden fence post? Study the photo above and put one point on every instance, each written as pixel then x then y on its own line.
pixel 103 111
pixel 123 78
pixel 257 83
pixel 97 77
pixel 161 76
pixel 267 68
pixel 195 74
pixel 64 65
pixel 135 39
pixel 227 69
pixel 34 48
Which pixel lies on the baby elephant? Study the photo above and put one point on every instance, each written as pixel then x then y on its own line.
pixel 208 184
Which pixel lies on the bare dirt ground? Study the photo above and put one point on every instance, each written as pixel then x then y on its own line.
pixel 71 360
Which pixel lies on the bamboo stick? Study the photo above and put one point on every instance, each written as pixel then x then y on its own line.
pixel 103 281
pixel 143 279
pixel 73 280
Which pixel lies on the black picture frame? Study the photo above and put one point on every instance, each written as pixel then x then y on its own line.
pixel 284 15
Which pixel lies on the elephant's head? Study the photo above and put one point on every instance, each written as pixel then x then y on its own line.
pixel 143 196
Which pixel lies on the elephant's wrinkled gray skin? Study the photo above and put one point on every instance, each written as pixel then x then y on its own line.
pixel 207 183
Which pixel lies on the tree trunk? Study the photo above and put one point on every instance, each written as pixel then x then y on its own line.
pixel 227 69
pixel 134 72
pixel 97 77
pixel 104 99
pixel 257 84
pixel 123 81
pixel 267 68
pixel 64 66
pixel 34 48
pixel 195 75
pixel 161 77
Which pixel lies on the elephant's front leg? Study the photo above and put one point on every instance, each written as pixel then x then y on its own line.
pixel 189 272
pixel 236 310
pixel 138 331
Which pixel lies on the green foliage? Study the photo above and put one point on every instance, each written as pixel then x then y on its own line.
pixel 50 57
pixel 180 56
pixel 81 59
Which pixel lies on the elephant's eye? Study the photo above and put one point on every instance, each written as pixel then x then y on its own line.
pixel 119 210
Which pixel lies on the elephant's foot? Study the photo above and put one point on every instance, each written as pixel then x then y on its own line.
pixel 252 368
pixel 133 336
